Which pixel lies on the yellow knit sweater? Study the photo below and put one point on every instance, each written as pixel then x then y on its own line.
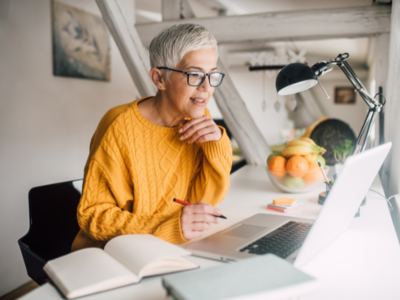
pixel 135 169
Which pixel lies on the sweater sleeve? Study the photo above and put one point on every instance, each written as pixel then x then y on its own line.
pixel 211 181
pixel 107 189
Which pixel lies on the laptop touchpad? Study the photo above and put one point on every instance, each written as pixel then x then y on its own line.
pixel 245 231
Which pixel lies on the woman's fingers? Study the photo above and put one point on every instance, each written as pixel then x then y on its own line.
pixel 205 135
pixel 206 218
pixel 190 129
pixel 196 218
pixel 192 122
pixel 200 226
pixel 205 209
pixel 200 130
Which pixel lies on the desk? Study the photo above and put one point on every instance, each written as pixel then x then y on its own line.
pixel 363 263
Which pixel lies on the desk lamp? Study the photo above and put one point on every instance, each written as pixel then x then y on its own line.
pixel 298 77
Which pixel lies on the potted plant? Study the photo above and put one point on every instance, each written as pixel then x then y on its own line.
pixel 341 153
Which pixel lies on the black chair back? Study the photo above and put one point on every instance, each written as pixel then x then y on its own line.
pixel 53 225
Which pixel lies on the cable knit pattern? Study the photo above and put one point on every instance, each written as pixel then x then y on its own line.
pixel 135 169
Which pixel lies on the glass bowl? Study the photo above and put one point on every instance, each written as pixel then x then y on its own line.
pixel 297 182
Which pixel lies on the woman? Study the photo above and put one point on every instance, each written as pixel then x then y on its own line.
pixel 148 152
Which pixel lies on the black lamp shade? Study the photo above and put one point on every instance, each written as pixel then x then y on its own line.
pixel 294 78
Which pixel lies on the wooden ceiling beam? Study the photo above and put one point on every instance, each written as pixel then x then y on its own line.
pixel 129 44
pixel 176 9
pixel 297 25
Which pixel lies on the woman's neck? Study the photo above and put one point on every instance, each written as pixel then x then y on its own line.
pixel 159 111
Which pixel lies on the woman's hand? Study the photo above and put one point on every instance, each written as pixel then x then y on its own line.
pixel 200 130
pixel 196 218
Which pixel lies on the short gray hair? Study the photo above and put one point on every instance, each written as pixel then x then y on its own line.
pixel 168 47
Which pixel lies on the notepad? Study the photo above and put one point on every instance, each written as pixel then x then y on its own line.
pixel 284 201
pixel 262 277
pixel 124 260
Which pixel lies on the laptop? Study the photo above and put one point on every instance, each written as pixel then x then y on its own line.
pixel 295 239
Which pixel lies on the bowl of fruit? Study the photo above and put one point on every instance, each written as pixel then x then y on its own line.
pixel 296 169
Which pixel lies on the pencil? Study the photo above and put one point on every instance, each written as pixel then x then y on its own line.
pixel 187 203
pixel 323 172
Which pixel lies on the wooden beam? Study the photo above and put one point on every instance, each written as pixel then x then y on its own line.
pixel 129 44
pixel 171 10
pixel 186 10
pixel 176 9
pixel 239 121
pixel 307 24
pixel 215 4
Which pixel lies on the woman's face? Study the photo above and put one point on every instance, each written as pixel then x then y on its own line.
pixel 189 101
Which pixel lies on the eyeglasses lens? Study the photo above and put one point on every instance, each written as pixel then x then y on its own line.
pixel 215 79
pixel 195 78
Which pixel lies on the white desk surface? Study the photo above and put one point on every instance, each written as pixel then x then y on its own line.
pixel 363 263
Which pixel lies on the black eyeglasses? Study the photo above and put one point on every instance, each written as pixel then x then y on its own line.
pixel 196 78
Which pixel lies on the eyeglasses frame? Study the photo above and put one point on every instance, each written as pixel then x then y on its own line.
pixel 202 81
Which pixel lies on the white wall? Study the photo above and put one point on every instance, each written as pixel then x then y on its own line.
pixel 353 114
pixel 249 85
pixel 46 122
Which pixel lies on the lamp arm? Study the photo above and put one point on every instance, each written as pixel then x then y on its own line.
pixel 358 88
pixel 374 106
pixel 370 125
pixel 363 89
pixel 341 61
pixel 366 123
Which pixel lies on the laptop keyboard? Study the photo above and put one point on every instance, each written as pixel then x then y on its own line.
pixel 282 241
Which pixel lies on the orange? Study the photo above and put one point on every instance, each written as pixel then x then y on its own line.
pixel 314 173
pixel 277 163
pixel 297 166
pixel 311 157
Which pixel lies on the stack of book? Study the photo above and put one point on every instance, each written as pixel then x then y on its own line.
pixel 284 205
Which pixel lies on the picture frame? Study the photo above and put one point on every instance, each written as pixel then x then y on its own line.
pixel 345 95
pixel 81 43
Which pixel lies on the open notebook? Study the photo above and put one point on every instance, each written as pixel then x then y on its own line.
pixel 124 260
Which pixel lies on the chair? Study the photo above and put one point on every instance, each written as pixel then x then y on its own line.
pixel 53 225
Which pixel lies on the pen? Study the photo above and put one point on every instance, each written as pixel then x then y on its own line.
pixel 187 203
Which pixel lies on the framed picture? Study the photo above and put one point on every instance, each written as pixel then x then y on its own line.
pixel 81 46
pixel 345 95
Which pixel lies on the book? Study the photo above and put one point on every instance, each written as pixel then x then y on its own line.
pixel 284 201
pixel 261 277
pixel 284 209
pixel 125 260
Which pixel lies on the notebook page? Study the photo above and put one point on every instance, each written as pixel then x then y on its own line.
pixel 136 251
pixel 88 271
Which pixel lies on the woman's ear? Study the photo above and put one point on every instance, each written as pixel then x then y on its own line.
pixel 158 78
